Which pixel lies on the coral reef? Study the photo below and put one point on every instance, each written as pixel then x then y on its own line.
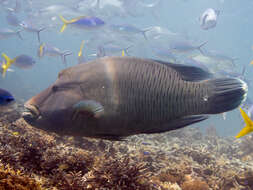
pixel 11 180
pixel 179 160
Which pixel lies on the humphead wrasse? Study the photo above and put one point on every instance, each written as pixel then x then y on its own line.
pixel 114 97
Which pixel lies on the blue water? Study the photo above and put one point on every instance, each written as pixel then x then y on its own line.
pixel 232 36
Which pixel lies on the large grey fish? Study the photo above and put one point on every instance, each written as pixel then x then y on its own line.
pixel 114 97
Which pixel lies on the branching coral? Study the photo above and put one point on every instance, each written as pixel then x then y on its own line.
pixel 11 180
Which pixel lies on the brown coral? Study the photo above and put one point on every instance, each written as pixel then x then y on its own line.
pixel 11 180
pixel 194 185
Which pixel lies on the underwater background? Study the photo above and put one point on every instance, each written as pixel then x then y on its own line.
pixel 201 156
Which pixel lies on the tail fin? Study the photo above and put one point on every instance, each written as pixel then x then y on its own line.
pixel 80 53
pixel 8 60
pixel 63 56
pixel 65 22
pixel 200 46
pixel 144 32
pixel 6 64
pixel 19 35
pixel 38 32
pixel 3 69
pixel 248 127
pixel 41 50
pixel 126 50
pixel 226 94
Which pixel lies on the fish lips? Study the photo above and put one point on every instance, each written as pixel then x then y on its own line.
pixel 31 113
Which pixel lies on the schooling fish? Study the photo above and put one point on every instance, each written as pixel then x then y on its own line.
pixel 208 19
pixel 114 97
pixel 85 22
pixel 21 61
pixel 47 49
pixel 7 101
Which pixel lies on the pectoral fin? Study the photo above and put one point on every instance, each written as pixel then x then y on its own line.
pixel 87 108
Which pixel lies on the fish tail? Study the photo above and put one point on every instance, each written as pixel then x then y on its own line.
pixel 19 35
pixel 41 50
pixel 144 32
pixel 3 69
pixel 38 32
pixel 225 94
pixel 126 50
pixel 8 60
pixel 200 46
pixel 81 49
pixel 6 64
pixel 63 56
pixel 65 22
pixel 248 127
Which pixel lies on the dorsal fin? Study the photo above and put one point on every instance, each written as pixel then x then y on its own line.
pixel 188 73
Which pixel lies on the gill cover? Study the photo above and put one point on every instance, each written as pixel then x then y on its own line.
pixel 89 108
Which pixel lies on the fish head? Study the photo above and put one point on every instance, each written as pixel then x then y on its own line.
pixel 52 109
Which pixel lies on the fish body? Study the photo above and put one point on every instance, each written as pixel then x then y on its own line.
pixel 129 29
pixel 7 101
pixel 113 97
pixel 182 46
pixel 208 19
pixel 85 22
pixel 21 61
pixel 49 50
pixel 7 33
pixel 164 53
pixel 24 62
pixel 217 62
pixel 30 28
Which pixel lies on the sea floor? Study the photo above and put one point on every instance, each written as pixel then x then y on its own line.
pixel 186 159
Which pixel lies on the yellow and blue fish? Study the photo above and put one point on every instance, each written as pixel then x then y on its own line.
pixel 248 127
pixel 86 22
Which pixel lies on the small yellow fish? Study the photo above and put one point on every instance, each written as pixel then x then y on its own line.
pixel 251 63
pixel 248 127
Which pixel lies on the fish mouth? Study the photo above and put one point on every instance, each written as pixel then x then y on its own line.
pixel 31 113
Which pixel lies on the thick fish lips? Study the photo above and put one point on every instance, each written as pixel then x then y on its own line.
pixel 31 113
